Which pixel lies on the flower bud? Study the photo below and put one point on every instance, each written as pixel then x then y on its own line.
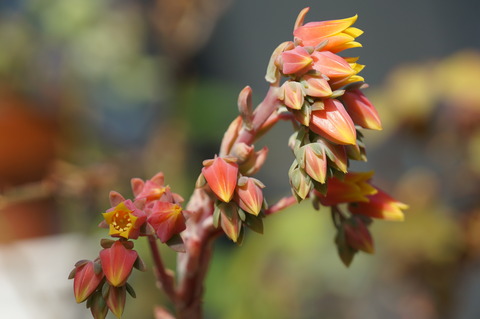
pixel 167 219
pixel 97 306
pixel 300 182
pixel 334 123
pixel 115 299
pixel 331 65
pixel 245 106
pixel 361 110
pixel 316 86
pixel 315 162
pixel 250 195
pixel 296 60
pixel 293 95
pixel 221 175
pixel 358 236
pixel 117 263
pixel 85 281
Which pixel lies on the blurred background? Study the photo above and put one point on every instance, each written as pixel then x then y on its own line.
pixel 95 92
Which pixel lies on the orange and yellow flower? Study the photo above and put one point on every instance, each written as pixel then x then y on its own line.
pixel 221 175
pixel 339 33
pixel 355 187
pixel 380 205
pixel 167 219
pixel 125 220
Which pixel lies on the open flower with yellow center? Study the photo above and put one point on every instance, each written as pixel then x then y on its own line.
pixel 125 220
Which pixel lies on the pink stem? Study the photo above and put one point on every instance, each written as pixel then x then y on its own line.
pixel 283 203
pixel 164 279
pixel 260 115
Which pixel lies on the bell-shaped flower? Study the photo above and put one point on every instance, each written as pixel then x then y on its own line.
pixel 333 123
pixel 125 220
pixel 331 65
pixel 337 154
pixel 339 33
pixel 249 195
pixel 380 205
pixel 361 110
pixel 354 187
pixel 221 175
pixel 293 94
pixel 316 86
pixel 358 236
pixel 86 280
pixel 230 220
pixel 115 299
pixel 296 60
pixel 167 219
pixel 117 263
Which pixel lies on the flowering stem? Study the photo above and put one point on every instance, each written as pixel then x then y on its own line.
pixel 164 278
pixel 283 203
pixel 261 114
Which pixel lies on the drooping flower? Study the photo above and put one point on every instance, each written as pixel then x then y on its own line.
pixel 333 123
pixel 296 60
pixel 85 280
pixel 361 110
pixel 221 175
pixel 358 236
pixel 339 33
pixel 355 187
pixel 117 263
pixel 249 194
pixel 125 220
pixel 379 205
pixel 167 219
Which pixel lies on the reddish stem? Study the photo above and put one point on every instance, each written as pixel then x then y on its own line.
pixel 164 277
pixel 283 203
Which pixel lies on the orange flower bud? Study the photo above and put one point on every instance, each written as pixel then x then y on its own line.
pixel 221 175
pixel 331 65
pixel 315 162
pixel 293 95
pixel 117 263
pixel 86 280
pixel 250 195
pixel 333 123
pixel 296 60
pixel 380 205
pixel 167 219
pixel 316 86
pixel 361 110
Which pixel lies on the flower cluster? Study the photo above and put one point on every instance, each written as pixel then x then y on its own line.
pixel 322 92
pixel 239 199
pixel 156 212
pixel 363 201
